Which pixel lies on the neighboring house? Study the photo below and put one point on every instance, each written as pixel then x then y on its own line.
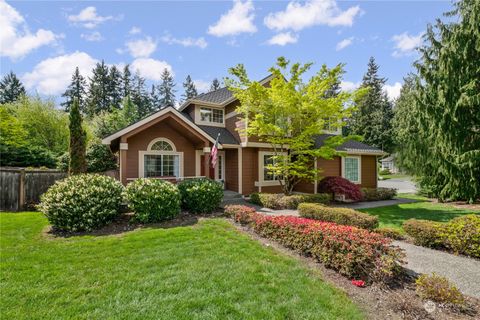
pixel 388 163
pixel 175 144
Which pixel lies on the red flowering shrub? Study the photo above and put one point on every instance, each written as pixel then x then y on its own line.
pixel 358 283
pixel 340 186
pixel 354 252
pixel 239 213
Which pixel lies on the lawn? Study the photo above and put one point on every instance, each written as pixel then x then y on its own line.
pixel 394 216
pixel 208 270
pixel 395 176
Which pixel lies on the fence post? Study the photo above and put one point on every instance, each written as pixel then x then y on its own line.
pixel 21 190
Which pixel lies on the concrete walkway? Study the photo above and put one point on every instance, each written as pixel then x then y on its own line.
pixel 373 204
pixel 462 271
pixel 402 185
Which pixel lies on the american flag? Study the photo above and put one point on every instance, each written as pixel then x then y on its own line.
pixel 213 153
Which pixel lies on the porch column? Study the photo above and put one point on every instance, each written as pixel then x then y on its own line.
pixel 206 161
pixel 123 162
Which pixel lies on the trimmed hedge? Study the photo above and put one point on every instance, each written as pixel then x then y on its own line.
pixel 424 232
pixel 200 195
pixel 280 201
pixel 336 185
pixel 462 235
pixel 82 202
pixel 390 233
pixel 353 252
pixel 239 213
pixel 376 194
pixel 344 216
pixel 153 200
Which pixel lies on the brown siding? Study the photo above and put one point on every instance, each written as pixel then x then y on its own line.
pixel 331 167
pixel 232 125
pixel 231 169
pixel 369 171
pixel 190 110
pixel 304 186
pixel 250 170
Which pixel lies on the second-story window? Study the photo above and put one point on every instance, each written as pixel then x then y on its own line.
pixel 211 115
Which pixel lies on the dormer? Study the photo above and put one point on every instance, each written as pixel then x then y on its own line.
pixel 209 116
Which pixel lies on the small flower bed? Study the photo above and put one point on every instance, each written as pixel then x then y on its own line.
pixel 344 216
pixel 353 252
pixel 377 194
pixel 280 201
pixel 340 186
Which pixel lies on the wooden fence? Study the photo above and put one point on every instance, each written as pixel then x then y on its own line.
pixel 21 188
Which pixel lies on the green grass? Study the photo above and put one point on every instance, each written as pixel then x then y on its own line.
pixel 205 271
pixel 394 216
pixel 396 176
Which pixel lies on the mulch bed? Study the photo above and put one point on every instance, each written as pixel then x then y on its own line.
pixel 397 301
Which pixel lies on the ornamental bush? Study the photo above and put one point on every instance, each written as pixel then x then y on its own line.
pixel 462 235
pixel 239 213
pixel 376 194
pixel 200 195
pixel 153 200
pixel 82 202
pixel 390 233
pixel 335 186
pixel 344 216
pixel 280 201
pixel 424 232
pixel 439 289
pixel 354 252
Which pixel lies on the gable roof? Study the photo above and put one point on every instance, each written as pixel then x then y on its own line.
pixel 348 146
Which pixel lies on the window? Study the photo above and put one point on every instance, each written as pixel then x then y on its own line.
pixel 211 115
pixel 268 175
pixel 161 165
pixel 351 169
pixel 162 145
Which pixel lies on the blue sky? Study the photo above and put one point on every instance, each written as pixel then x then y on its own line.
pixel 43 41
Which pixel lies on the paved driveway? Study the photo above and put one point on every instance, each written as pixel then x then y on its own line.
pixel 402 186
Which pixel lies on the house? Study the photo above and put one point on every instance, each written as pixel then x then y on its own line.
pixel 174 144
pixel 388 163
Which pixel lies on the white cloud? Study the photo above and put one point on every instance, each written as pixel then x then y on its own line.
pixel 344 43
pixel 201 85
pixel 237 20
pixel 393 91
pixel 93 36
pixel 406 44
pixel 283 38
pixel 349 86
pixel 135 30
pixel 150 69
pixel 141 48
pixel 186 42
pixel 298 16
pixel 89 18
pixel 16 41
pixel 52 76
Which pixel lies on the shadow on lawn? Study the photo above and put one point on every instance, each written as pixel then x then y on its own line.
pixel 125 223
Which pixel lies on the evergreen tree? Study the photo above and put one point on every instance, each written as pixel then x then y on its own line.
pixel 190 90
pixel 98 92
pixel 444 150
pixel 166 90
pixel 373 117
pixel 140 96
pixel 76 90
pixel 155 100
pixel 11 88
pixel 215 85
pixel 78 137
pixel 115 87
pixel 126 81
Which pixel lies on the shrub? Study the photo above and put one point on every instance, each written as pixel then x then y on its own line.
pixel 99 159
pixel 153 200
pixel 376 194
pixel 342 216
pixel 385 172
pixel 439 289
pixel 462 235
pixel 26 156
pixel 239 213
pixel 424 232
pixel 340 186
pixel 200 195
pixel 279 201
pixel 82 202
pixel 390 233
pixel 351 251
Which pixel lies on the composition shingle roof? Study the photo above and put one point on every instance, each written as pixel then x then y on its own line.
pixel 226 137
pixel 347 146
pixel 218 96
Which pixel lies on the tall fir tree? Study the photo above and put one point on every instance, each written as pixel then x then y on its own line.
pixel 126 81
pixel 190 90
pixel 75 90
pixel 215 85
pixel 373 117
pixel 98 91
pixel 166 90
pixel 155 100
pixel 115 87
pixel 140 96
pixel 11 88
pixel 444 150
pixel 78 141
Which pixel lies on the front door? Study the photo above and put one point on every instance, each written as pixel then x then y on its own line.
pixel 220 168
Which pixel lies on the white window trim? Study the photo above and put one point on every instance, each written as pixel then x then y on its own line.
pixel 261 182
pixel 207 123
pixel 142 154
pixel 359 168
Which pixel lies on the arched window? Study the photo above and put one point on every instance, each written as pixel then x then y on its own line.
pixel 162 146
pixel 161 159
